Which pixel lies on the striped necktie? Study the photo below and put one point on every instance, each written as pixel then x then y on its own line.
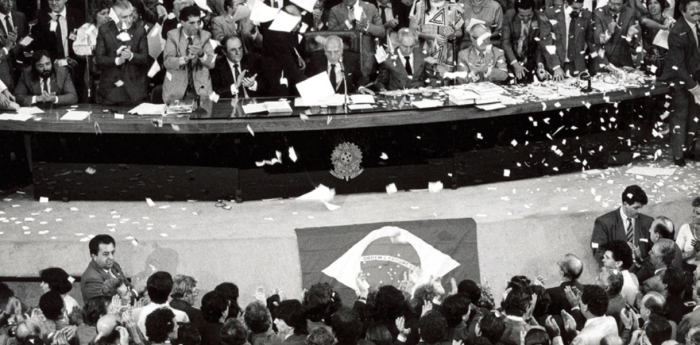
pixel 630 231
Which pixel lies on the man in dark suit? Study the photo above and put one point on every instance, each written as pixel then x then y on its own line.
pixel 682 69
pixel 405 67
pixel 55 31
pixel 236 73
pixel 340 65
pixel 626 224
pixel 46 85
pixel 282 57
pixel 13 29
pixel 101 267
pixel 122 57
pixel 362 17
pixel 616 37
pixel 520 29
pixel 565 32
pixel 570 269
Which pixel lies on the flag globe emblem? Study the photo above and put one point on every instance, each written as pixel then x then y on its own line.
pixel 386 259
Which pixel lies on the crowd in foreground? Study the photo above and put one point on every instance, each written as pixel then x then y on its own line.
pixel 124 52
pixel 645 293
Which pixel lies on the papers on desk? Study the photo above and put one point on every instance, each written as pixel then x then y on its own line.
pixel 462 97
pixel 75 115
pixel 29 110
pixel 360 99
pixel 316 89
pixel 333 100
pixel 262 13
pixel 148 109
pixel 661 39
pixel 284 22
pixel 491 106
pixel 485 88
pixel 455 75
pixel 275 107
pixel 428 103
pixel 360 106
pixel 15 117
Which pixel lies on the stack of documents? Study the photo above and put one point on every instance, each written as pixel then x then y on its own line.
pixel 148 109
pixel 276 107
pixel 462 97
pixel 15 117
pixel 74 115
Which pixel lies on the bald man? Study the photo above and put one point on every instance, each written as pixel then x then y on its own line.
pixel 342 66
pixel 570 269
pixel 482 61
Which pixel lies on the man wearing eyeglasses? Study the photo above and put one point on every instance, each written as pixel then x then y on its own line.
pixel 236 73
pixel 407 67
pixel 482 61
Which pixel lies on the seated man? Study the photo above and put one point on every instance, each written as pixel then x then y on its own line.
pixel 188 57
pixel 122 58
pixel 482 61
pixel 520 30
pixel 45 84
pixel 236 74
pixel 340 64
pixel 564 36
pixel 616 32
pixel 406 67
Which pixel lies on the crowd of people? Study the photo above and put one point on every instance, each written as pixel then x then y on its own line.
pixel 124 52
pixel 645 293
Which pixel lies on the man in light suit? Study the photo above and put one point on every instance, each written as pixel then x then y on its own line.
pixel 520 28
pixel 188 57
pixel 406 67
pixel 13 29
pixel 236 22
pixel 616 35
pixel 55 31
pixel 682 69
pixel 122 57
pixel 237 68
pixel 43 85
pixel 593 305
pixel 626 224
pixel 482 61
pixel 340 65
pixel 363 17
pixel 565 32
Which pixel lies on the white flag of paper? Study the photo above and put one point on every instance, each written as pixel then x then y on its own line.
pixel 284 22
pixel 262 13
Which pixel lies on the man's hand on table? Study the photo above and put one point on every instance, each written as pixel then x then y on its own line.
pixel 365 91
pixel 558 74
pixel 519 70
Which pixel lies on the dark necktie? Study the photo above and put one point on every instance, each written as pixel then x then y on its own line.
pixel 573 15
pixel 190 68
pixel 334 81
pixel 383 13
pixel 351 10
pixel 569 41
pixel 59 38
pixel 615 19
pixel 8 23
pixel 235 76
pixel 630 231
pixel 697 33
pixel 46 85
pixel 409 70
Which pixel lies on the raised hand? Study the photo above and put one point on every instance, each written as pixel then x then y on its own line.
pixel 569 322
pixel 573 295
pixel 427 306
pixel 401 325
pixel 552 326
pixel 362 285
pixel 260 294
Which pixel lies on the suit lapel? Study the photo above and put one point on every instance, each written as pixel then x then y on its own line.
pixel 54 84
pixel 182 43
pixel 620 224
pixel 36 87
pixel 417 63
pixel 517 28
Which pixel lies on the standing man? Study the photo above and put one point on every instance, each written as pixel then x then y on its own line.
pixel 122 57
pixel 340 65
pixel 236 74
pixel 406 67
pixel 626 224
pixel 188 57
pixel 520 30
pixel 682 68
pixel 362 17
pixel 101 268
pixel 565 34
pixel 282 57
pixel 616 37
pixel 55 31
pixel 13 28
pixel 236 22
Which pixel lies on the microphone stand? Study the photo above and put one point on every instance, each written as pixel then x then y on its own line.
pixel 345 87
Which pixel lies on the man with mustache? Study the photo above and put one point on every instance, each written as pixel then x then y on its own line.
pixel 101 267
pixel 682 68
pixel 45 84
pixel 616 37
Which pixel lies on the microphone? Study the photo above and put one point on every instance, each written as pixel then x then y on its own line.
pixel 345 86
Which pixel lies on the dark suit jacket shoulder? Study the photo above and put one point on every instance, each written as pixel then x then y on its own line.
pixel 131 73
pixel 351 67
pixel 683 58
pixel 194 314
pixel 92 279
pixel 559 301
pixel 610 227
pixel 61 84
pixel 222 77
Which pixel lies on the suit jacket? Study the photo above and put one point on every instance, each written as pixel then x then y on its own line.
pixel 60 83
pixel 280 56
pixel 131 73
pixel 351 70
pixel 552 33
pixel 682 65
pixel 175 83
pixel 610 227
pixel 676 309
pixel 617 49
pixel 654 283
pixel 559 301
pixel 44 38
pixel 224 26
pixel 222 77
pixel 595 330
pixel 493 58
pixel 8 62
pixel 514 327
pixel 512 29
pixel 194 314
pixel 337 21
pixel 393 75
pixel 93 278
pixel 647 269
